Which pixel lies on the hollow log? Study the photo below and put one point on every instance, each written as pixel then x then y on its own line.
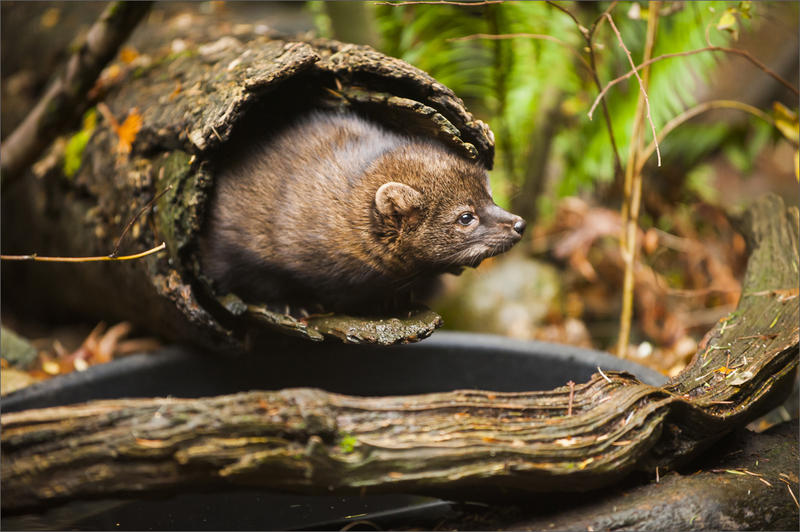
pixel 190 104
pixel 308 440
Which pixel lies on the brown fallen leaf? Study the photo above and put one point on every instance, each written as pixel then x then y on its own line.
pixel 128 130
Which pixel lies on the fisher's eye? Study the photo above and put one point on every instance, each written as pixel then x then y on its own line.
pixel 466 218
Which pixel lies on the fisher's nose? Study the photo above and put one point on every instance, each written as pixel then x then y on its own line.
pixel 519 226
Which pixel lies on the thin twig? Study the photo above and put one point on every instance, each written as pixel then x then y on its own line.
pixel 641 84
pixel 649 62
pixel 37 258
pixel 633 183
pixel 133 220
pixel 788 487
pixel 601 18
pixel 588 36
pixel 694 111
pixel 503 36
pixel 606 114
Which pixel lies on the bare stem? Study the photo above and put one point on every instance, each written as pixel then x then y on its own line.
pixel 641 84
pixel 103 258
pixel 591 66
pixel 606 115
pixel 577 22
pixel 633 182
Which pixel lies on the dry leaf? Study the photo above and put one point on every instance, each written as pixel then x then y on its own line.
pixel 128 54
pixel 174 93
pixel 128 130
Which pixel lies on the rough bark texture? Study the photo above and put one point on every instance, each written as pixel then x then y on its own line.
pixel 744 484
pixel 470 441
pixel 190 104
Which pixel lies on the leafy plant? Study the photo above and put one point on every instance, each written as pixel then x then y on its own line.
pixel 521 84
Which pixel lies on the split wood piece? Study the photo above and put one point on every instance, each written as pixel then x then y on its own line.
pixel 466 441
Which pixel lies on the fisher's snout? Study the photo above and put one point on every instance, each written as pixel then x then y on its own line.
pixel 519 226
pixel 513 224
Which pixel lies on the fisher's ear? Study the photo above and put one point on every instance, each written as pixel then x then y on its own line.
pixel 397 199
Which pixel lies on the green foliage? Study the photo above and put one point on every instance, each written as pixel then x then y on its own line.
pixel 73 153
pixel 519 85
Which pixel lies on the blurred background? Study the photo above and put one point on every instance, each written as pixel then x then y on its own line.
pixel 554 165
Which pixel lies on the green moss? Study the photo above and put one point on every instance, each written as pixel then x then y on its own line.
pixel 174 217
pixel 73 153
pixel 348 443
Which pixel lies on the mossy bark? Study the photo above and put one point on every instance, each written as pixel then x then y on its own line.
pixel 468 441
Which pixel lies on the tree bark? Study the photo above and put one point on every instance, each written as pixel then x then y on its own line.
pixel 747 483
pixel 308 440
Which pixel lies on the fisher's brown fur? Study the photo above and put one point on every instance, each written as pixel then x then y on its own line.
pixel 337 210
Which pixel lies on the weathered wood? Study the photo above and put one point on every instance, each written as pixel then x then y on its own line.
pixel 745 483
pixel 313 441
pixel 191 104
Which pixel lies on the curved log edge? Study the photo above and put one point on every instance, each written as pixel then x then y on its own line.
pixel 312 441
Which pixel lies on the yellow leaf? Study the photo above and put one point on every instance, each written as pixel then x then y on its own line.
pixel 787 122
pixel 797 165
pixel 727 22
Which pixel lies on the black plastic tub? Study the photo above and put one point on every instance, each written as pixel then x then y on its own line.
pixel 446 361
